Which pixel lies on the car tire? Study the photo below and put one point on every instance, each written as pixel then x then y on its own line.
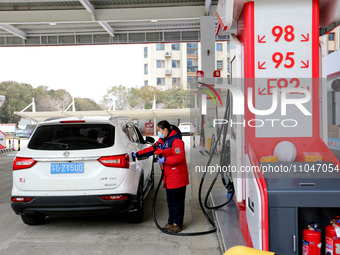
pixel 33 219
pixel 136 216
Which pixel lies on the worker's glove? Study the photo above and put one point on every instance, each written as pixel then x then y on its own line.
pixel 161 160
pixel 158 151
pixel 134 154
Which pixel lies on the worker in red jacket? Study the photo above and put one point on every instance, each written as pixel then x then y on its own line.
pixel 170 148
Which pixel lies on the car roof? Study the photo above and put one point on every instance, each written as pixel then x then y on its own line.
pixel 88 119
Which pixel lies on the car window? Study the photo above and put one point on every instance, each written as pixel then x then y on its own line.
pixel 139 134
pixel 130 133
pixel 127 133
pixel 73 137
pixel 133 134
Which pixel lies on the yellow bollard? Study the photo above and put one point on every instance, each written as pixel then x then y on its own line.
pixel 209 143
pixel 242 250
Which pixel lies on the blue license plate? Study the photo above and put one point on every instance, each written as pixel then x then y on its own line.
pixel 67 168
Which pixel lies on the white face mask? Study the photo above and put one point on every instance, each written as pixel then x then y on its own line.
pixel 160 134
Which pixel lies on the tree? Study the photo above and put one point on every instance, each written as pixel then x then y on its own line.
pixel 117 95
pixel 142 98
pixel 176 98
pixel 43 99
pixel 60 98
pixel 18 96
pixel 86 104
pixel 51 100
pixel 146 95
pixel 133 97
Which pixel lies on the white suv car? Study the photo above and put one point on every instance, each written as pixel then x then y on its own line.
pixel 75 166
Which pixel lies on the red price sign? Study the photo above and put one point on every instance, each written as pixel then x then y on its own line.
pixel 286 35
pixel 200 74
pixel 283 60
pixel 280 83
pixel 217 73
pixel 287 41
pixel 288 31
pixel 278 58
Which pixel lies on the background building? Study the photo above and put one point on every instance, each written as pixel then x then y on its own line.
pixel 332 40
pixel 174 65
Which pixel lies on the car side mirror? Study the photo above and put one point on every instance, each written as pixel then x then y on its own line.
pixel 149 139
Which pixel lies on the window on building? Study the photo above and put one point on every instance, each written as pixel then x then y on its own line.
pixel 192 65
pixel 228 67
pixel 145 52
pixel 219 80
pixel 160 81
pixel 146 83
pixel 219 65
pixel 175 46
pixel 218 46
pixel 175 64
pixel 192 80
pixel 176 81
pixel 228 46
pixel 160 63
pixel 145 68
pixel 192 49
pixel 330 51
pixel 160 46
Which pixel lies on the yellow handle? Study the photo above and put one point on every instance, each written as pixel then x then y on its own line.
pixel 241 250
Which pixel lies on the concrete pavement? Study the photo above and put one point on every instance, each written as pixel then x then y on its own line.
pixel 102 235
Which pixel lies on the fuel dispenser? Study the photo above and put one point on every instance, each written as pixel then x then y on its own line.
pixel 286 175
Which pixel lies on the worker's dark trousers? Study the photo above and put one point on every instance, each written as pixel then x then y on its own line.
pixel 175 199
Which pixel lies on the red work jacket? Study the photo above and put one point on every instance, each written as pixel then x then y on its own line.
pixel 175 166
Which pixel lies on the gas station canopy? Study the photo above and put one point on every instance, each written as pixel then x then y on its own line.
pixel 76 22
pixel 185 113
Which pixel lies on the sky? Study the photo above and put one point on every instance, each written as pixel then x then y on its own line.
pixel 84 71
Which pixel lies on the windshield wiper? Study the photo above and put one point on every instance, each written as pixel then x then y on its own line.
pixel 60 144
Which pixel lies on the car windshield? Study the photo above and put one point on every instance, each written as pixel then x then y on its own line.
pixel 72 137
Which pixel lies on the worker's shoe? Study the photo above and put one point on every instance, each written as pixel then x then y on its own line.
pixel 175 228
pixel 167 226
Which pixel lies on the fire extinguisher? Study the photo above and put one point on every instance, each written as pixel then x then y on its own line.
pixel 333 237
pixel 311 240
